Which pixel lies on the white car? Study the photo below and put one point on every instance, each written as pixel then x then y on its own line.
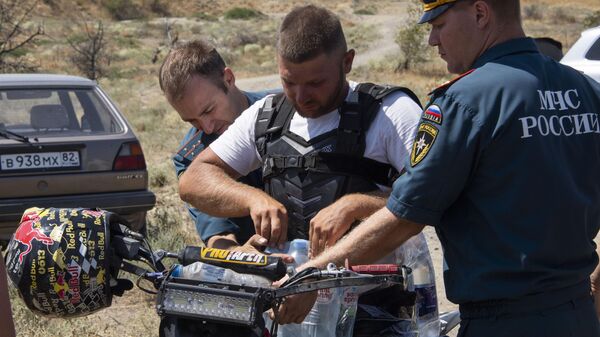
pixel 584 55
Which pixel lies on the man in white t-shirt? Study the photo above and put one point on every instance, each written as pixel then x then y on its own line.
pixel 313 63
pixel 327 147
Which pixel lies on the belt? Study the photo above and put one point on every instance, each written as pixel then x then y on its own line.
pixel 525 304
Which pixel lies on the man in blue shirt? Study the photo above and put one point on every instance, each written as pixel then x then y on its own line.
pixel 505 167
pixel 198 84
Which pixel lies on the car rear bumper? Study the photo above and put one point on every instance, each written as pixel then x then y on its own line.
pixel 11 210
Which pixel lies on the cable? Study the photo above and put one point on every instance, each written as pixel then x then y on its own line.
pixel 302 275
pixel 137 283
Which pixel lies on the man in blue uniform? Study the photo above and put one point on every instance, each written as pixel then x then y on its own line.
pixel 505 167
pixel 198 84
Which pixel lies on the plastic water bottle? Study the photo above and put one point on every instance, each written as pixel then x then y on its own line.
pixel 414 253
pixel 348 308
pixel 298 249
pixel 323 317
pixel 206 272
pixel 426 305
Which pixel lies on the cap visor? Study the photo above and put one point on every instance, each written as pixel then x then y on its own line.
pixel 434 13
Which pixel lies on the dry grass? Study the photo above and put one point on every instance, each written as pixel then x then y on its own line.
pixel 248 46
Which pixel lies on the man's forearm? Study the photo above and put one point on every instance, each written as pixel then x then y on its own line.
pixel 209 189
pixel 361 206
pixel 373 239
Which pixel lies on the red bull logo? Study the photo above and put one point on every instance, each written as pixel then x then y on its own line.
pixel 60 286
pixel 26 233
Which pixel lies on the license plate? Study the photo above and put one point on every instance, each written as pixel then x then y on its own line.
pixel 43 160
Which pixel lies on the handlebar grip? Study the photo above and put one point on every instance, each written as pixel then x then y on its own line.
pixel 377 269
pixel 270 267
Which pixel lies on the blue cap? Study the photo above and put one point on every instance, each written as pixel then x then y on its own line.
pixel 434 8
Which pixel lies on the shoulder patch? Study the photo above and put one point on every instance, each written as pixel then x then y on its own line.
pixel 452 81
pixel 433 113
pixel 424 139
pixel 192 148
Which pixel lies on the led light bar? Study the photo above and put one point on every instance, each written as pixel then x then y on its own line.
pixel 210 304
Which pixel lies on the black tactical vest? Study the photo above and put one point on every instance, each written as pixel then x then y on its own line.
pixel 307 176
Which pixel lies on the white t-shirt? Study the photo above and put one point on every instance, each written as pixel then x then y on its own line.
pixel 388 139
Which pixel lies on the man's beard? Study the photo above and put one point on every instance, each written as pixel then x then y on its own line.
pixel 332 104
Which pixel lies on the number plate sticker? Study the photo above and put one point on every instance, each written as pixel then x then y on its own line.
pixel 43 160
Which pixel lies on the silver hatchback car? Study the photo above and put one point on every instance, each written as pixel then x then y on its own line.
pixel 63 143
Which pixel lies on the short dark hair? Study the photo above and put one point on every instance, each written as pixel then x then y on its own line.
pixel 191 58
pixel 309 31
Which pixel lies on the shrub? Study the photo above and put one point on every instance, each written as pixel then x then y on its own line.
pixel 533 12
pixel 412 39
pixel 364 11
pixel 122 9
pixel 560 15
pixel 159 7
pixel 242 13
pixel 592 19
pixel 205 16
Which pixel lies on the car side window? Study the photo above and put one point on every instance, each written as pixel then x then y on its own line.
pixel 594 52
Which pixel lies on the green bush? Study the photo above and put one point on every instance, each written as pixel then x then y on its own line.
pixel 364 11
pixel 413 44
pixel 122 9
pixel 592 19
pixel 242 13
pixel 205 16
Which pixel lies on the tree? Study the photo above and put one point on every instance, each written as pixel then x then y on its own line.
pixel 14 37
pixel 412 40
pixel 89 48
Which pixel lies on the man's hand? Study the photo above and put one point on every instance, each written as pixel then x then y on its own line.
pixel 294 308
pixel 256 244
pixel 270 219
pixel 329 225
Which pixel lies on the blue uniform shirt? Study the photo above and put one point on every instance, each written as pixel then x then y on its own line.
pixel 206 225
pixel 505 165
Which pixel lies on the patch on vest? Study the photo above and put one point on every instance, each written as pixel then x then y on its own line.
pixel 423 142
pixel 433 113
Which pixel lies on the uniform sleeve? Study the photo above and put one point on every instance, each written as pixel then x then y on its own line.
pixel 237 146
pixel 443 155
pixel 190 145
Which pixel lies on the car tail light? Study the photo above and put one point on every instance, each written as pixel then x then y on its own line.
pixel 130 157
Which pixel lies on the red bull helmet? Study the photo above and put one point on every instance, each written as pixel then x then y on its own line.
pixel 59 261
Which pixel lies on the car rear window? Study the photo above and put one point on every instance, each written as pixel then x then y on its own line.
pixel 594 52
pixel 56 112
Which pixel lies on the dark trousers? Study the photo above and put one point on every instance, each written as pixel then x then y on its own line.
pixel 574 318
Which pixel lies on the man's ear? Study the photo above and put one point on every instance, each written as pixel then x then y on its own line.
pixel 347 60
pixel 483 13
pixel 228 77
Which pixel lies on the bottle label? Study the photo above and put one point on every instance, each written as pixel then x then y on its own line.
pixel 426 300
pixel 213 272
pixel 350 296
pixel 325 296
